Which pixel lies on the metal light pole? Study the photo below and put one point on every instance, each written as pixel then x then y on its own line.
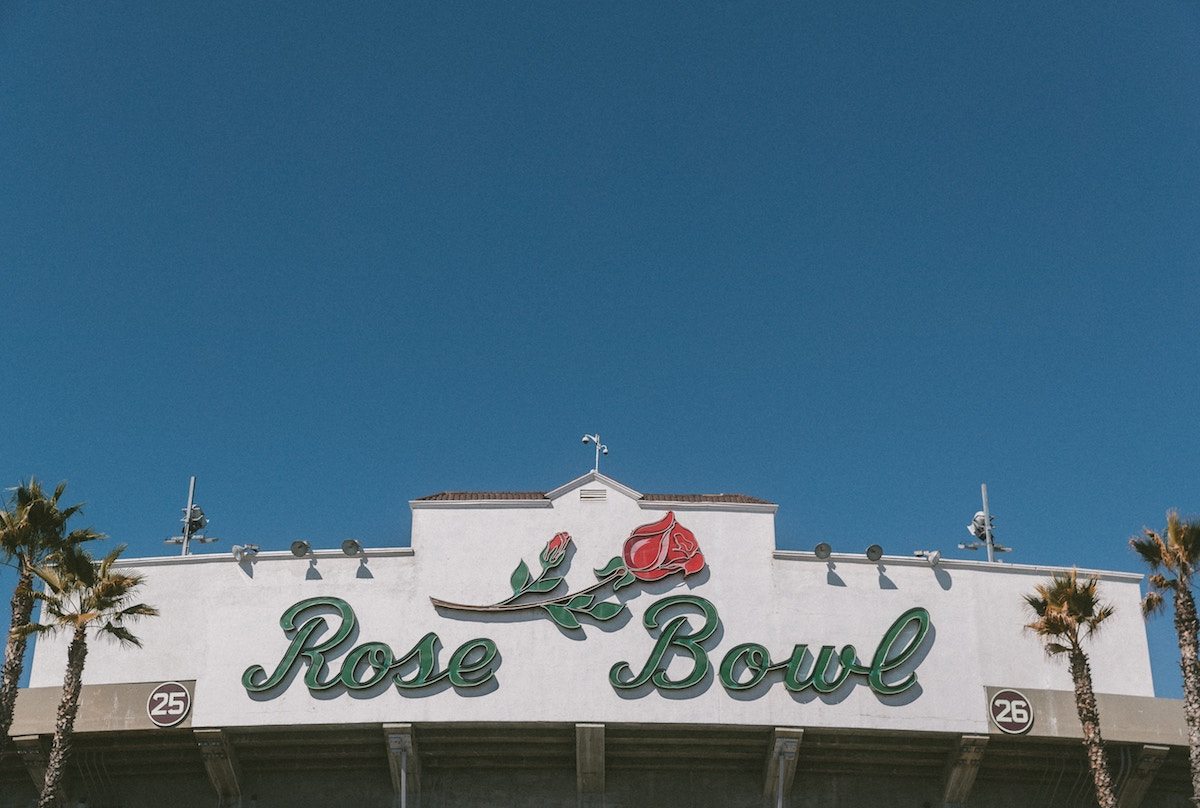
pixel 987 526
pixel 187 514
pixel 601 449
pixel 194 521
pixel 981 528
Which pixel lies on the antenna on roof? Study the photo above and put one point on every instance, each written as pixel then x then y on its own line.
pixel 194 521
pixel 601 449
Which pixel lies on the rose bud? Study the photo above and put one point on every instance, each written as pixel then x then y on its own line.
pixel 555 549
pixel 655 551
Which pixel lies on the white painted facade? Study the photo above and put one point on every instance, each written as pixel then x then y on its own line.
pixel 219 617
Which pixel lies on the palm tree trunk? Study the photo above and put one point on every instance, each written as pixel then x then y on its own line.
pixel 1089 718
pixel 64 726
pixel 14 650
pixel 1186 627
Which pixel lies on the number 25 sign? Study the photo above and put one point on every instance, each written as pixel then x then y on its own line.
pixel 168 704
pixel 1011 712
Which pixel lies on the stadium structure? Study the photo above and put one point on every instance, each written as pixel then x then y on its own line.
pixel 595 646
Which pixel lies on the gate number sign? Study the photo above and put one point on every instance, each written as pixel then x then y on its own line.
pixel 168 704
pixel 1011 712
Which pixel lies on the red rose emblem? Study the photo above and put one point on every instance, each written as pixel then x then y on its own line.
pixel 555 549
pixel 657 550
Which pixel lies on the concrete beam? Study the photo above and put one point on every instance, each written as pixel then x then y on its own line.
pixel 1142 777
pixel 221 763
pixel 35 756
pixel 782 755
pixel 403 763
pixel 961 769
pixel 589 765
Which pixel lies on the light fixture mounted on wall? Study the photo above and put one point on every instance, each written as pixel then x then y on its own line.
pixel 874 552
pixel 243 552
pixel 934 557
pixel 301 548
pixel 823 550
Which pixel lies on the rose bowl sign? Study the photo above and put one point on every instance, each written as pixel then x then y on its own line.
pixel 683 627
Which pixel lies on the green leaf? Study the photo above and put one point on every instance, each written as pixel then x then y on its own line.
pixel 520 578
pixel 561 616
pixel 624 580
pixel 544 585
pixel 580 602
pixel 610 567
pixel 605 610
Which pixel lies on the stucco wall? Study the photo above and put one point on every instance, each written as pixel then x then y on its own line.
pixel 219 617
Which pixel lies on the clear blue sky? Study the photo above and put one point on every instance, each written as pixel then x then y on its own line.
pixel 855 260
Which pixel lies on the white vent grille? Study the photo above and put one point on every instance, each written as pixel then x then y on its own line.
pixel 593 494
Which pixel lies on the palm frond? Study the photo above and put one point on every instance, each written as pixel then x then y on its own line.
pixel 138 610
pixel 54 581
pixel 1151 548
pixel 122 634
pixel 1093 624
pixel 30 629
pixel 1152 604
pixel 1037 602
pixel 1188 540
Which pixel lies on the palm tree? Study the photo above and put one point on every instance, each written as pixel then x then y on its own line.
pixel 1171 563
pixel 32 532
pixel 81 595
pixel 1067 611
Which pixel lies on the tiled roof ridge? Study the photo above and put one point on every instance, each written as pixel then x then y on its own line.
pixel 476 496
pixel 744 499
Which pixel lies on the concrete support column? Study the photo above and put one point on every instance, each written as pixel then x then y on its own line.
pixel 35 756
pixel 782 755
pixel 403 763
pixel 961 769
pixel 1142 777
pixel 221 763
pixel 589 765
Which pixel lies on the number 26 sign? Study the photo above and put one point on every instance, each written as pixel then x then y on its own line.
pixel 1011 712
pixel 168 704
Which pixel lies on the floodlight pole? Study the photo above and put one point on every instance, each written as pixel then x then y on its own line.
pixel 987 526
pixel 599 449
pixel 187 515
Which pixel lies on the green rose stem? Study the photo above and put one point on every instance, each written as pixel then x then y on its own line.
pixel 508 606
pixel 524 590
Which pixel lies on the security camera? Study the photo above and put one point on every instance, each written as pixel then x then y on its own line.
pixel 603 450
pixel 586 439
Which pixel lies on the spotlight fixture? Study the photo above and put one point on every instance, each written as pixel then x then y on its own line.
pixel 874 552
pixel 301 548
pixel 352 547
pixel 241 552
pixel 934 557
pixel 822 550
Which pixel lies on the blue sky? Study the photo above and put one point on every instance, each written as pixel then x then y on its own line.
pixel 853 260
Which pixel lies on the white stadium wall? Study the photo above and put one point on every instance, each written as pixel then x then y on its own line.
pixel 220 618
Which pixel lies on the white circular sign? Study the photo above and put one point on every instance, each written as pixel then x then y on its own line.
pixel 1011 712
pixel 168 704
